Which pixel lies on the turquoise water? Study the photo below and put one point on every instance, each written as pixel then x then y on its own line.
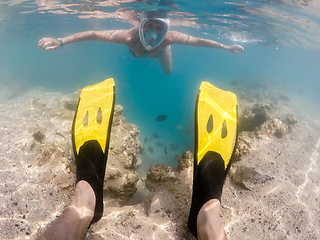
pixel 281 41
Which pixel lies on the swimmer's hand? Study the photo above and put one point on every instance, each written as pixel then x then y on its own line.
pixel 235 48
pixel 49 43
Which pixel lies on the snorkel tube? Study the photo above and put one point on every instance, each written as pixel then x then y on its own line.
pixel 151 38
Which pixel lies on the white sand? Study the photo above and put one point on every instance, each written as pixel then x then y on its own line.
pixel 271 192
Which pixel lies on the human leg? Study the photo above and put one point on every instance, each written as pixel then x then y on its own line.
pixel 75 219
pixel 86 206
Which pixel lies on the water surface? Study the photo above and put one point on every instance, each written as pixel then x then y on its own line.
pixel 281 41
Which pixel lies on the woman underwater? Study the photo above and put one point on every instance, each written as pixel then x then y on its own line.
pixel 152 39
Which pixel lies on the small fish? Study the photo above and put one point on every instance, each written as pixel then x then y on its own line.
pixel 173 146
pixel 156 135
pixel 150 149
pixel 236 83
pixel 284 98
pixel 161 118
pixel 146 140
pixel 159 144
pixel 165 150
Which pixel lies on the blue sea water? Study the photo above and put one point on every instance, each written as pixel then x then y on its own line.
pixel 281 39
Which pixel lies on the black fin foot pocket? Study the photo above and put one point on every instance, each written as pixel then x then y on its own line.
pixel 208 182
pixel 91 167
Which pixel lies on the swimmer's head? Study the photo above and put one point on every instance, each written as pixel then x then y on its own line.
pixel 152 29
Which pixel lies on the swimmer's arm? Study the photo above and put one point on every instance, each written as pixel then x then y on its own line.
pixel 174 37
pixel 113 36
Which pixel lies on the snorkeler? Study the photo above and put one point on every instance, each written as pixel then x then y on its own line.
pixel 151 39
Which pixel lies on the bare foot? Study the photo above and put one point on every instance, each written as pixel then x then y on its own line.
pixel 209 224
pixel 76 218
pixel 84 200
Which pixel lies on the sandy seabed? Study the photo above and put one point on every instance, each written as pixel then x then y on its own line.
pixel 271 191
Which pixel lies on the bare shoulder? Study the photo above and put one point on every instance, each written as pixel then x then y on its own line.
pixel 132 33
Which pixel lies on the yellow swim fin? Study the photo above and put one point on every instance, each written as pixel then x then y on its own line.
pixel 91 135
pixel 215 122
pixel 93 117
pixel 216 117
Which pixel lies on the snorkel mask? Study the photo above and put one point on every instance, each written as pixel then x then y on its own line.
pixel 151 36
